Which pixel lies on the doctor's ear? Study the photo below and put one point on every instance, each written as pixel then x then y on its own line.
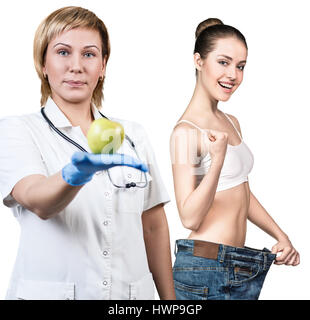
pixel 44 72
pixel 198 61
pixel 104 65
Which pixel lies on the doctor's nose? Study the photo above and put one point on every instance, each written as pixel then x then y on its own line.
pixel 76 64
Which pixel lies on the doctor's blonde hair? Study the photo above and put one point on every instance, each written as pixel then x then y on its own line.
pixel 65 19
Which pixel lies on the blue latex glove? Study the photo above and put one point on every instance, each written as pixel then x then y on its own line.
pixel 84 165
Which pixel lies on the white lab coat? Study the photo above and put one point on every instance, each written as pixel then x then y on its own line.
pixel 94 248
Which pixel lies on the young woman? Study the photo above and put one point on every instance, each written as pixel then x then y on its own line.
pixel 84 233
pixel 211 163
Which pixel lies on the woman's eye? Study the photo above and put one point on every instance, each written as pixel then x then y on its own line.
pixel 241 68
pixel 224 63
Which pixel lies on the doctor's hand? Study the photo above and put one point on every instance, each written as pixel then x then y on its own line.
pixel 84 165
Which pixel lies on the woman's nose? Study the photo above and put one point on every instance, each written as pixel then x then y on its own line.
pixel 231 72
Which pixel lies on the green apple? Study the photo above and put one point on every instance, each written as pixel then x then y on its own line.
pixel 105 136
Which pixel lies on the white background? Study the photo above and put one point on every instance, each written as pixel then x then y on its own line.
pixel 150 79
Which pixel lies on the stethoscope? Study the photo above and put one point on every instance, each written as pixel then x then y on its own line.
pixel 128 185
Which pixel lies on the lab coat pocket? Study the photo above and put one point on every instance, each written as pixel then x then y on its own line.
pixel 43 290
pixel 130 200
pixel 143 289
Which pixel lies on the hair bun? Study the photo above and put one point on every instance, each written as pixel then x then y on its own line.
pixel 205 24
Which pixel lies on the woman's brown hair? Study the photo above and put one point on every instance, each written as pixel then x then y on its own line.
pixel 209 31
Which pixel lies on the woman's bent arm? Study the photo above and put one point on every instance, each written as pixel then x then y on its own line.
pixel 196 205
pixel 193 202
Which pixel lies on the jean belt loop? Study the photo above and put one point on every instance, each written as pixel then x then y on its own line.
pixel 265 261
pixel 222 255
pixel 175 249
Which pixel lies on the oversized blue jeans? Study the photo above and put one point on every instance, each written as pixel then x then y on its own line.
pixel 205 270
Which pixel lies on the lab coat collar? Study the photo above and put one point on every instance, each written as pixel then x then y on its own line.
pixel 95 111
pixel 57 116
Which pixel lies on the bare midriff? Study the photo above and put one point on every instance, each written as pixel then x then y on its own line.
pixel 226 220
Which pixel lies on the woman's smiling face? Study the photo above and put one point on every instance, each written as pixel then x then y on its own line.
pixel 74 64
pixel 221 72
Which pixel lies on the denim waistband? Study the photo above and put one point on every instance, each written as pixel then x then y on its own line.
pixel 224 253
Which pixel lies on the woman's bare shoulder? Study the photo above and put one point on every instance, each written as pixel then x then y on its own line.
pixel 234 120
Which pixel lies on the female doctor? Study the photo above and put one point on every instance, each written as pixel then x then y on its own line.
pixel 84 235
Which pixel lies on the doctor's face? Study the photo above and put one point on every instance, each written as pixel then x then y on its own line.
pixel 74 64
pixel 221 72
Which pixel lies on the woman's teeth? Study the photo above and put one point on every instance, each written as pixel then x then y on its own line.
pixel 225 85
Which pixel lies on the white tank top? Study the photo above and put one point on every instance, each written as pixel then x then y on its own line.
pixel 238 162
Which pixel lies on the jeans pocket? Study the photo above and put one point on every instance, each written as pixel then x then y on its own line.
pixel 190 292
pixel 244 272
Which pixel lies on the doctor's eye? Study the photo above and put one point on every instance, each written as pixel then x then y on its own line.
pixel 241 67
pixel 63 53
pixel 89 54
